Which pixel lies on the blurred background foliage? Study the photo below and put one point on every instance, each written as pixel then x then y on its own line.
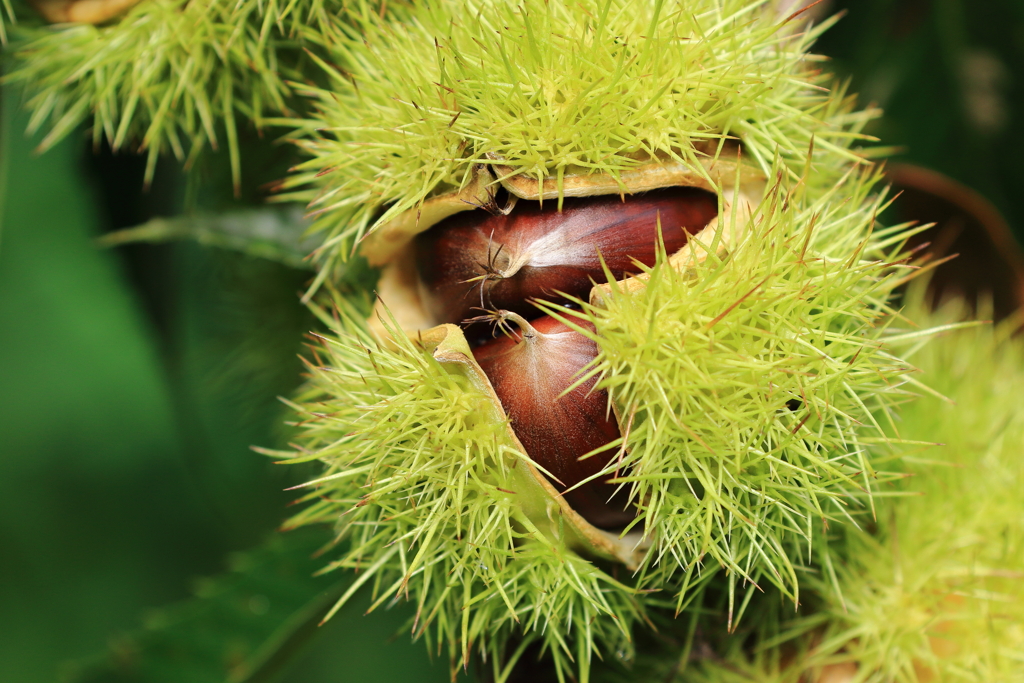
pixel 948 74
pixel 133 381
pixel 132 384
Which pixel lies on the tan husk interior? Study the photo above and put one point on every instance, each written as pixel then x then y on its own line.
pixel 399 300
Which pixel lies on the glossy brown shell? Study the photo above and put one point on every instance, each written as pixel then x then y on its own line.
pixel 503 260
pixel 531 373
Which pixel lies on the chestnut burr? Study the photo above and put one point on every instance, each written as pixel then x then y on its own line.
pixel 530 368
pixel 476 259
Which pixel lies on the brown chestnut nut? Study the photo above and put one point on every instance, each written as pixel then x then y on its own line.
pixel 478 260
pixel 530 367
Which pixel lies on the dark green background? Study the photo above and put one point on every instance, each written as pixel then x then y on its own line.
pixel 131 387
pixel 132 383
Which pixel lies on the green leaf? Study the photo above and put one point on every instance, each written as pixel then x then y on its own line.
pixel 241 627
pixel 277 234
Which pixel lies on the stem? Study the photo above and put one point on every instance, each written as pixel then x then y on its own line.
pixel 525 327
pixel 528 332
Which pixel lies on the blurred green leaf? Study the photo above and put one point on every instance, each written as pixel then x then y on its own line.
pixel 277 234
pixel 945 72
pixel 242 627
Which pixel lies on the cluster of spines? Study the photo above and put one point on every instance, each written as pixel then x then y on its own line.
pixel 542 89
pixel 812 256
pixel 931 589
pixel 748 388
pixel 418 477
pixel 935 591
pixel 415 454
pixel 170 76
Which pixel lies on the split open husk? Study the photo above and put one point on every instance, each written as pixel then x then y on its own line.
pixel 400 298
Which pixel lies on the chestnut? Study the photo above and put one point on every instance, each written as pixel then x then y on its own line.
pixel 530 367
pixel 477 259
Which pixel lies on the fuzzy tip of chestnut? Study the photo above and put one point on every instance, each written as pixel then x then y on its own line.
pixel 530 367
pixel 502 260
